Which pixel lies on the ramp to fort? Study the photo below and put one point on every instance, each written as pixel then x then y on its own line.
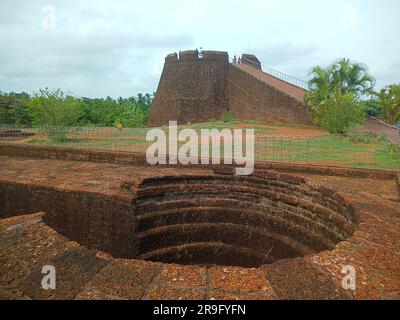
pixel 285 87
pixel 256 95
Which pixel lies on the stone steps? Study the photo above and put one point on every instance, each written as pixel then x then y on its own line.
pixel 254 186
pixel 280 218
pixel 163 199
pixel 315 235
pixel 209 253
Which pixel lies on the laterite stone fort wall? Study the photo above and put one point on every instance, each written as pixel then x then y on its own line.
pixel 194 90
pixel 253 99
pixel 191 89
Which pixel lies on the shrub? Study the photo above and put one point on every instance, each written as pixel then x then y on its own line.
pixel 227 117
pixel 389 99
pixel 339 113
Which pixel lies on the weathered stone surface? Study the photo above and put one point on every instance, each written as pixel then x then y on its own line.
pixel 240 280
pixel 121 279
pixel 162 292
pixel 296 279
pixel 323 206
pixel 74 269
pixel 256 95
pixel 193 89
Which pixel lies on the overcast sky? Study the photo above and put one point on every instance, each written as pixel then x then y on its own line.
pixel 116 48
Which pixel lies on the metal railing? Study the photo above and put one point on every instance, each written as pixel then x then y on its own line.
pixel 278 74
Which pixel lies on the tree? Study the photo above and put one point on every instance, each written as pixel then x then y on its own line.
pixel 352 77
pixel 389 99
pixel 131 115
pixel 13 109
pixel 54 108
pixel 341 85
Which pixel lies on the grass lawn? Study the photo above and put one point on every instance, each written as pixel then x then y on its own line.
pixel 274 142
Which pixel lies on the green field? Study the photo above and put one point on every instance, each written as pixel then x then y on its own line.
pixel 274 142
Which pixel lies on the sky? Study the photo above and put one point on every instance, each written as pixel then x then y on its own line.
pixel 97 48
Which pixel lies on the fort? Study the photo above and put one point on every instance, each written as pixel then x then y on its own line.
pixel 196 89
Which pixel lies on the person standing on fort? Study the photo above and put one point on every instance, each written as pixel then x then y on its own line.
pixel 240 60
pixel 234 59
pixel 201 53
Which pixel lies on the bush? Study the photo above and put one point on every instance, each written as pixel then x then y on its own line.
pixel 389 100
pixel 59 137
pixel 339 113
pixel 227 117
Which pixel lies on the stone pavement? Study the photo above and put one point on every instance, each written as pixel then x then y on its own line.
pixel 27 243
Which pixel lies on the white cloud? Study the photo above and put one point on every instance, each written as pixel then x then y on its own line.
pixel 100 47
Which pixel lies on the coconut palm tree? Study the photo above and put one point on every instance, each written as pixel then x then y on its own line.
pixel 342 76
pixel 338 82
pixel 352 77
pixel 320 88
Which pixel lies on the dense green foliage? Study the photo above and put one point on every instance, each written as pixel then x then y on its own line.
pixel 227 117
pixel 339 113
pixel 13 109
pixel 55 108
pixel 335 96
pixel 388 101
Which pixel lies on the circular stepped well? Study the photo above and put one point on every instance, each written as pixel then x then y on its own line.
pixel 239 221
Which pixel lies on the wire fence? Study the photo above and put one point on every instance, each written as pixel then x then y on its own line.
pixel 94 138
pixel 355 150
pixel 358 150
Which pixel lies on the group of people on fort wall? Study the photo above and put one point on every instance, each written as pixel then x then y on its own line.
pixel 237 60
